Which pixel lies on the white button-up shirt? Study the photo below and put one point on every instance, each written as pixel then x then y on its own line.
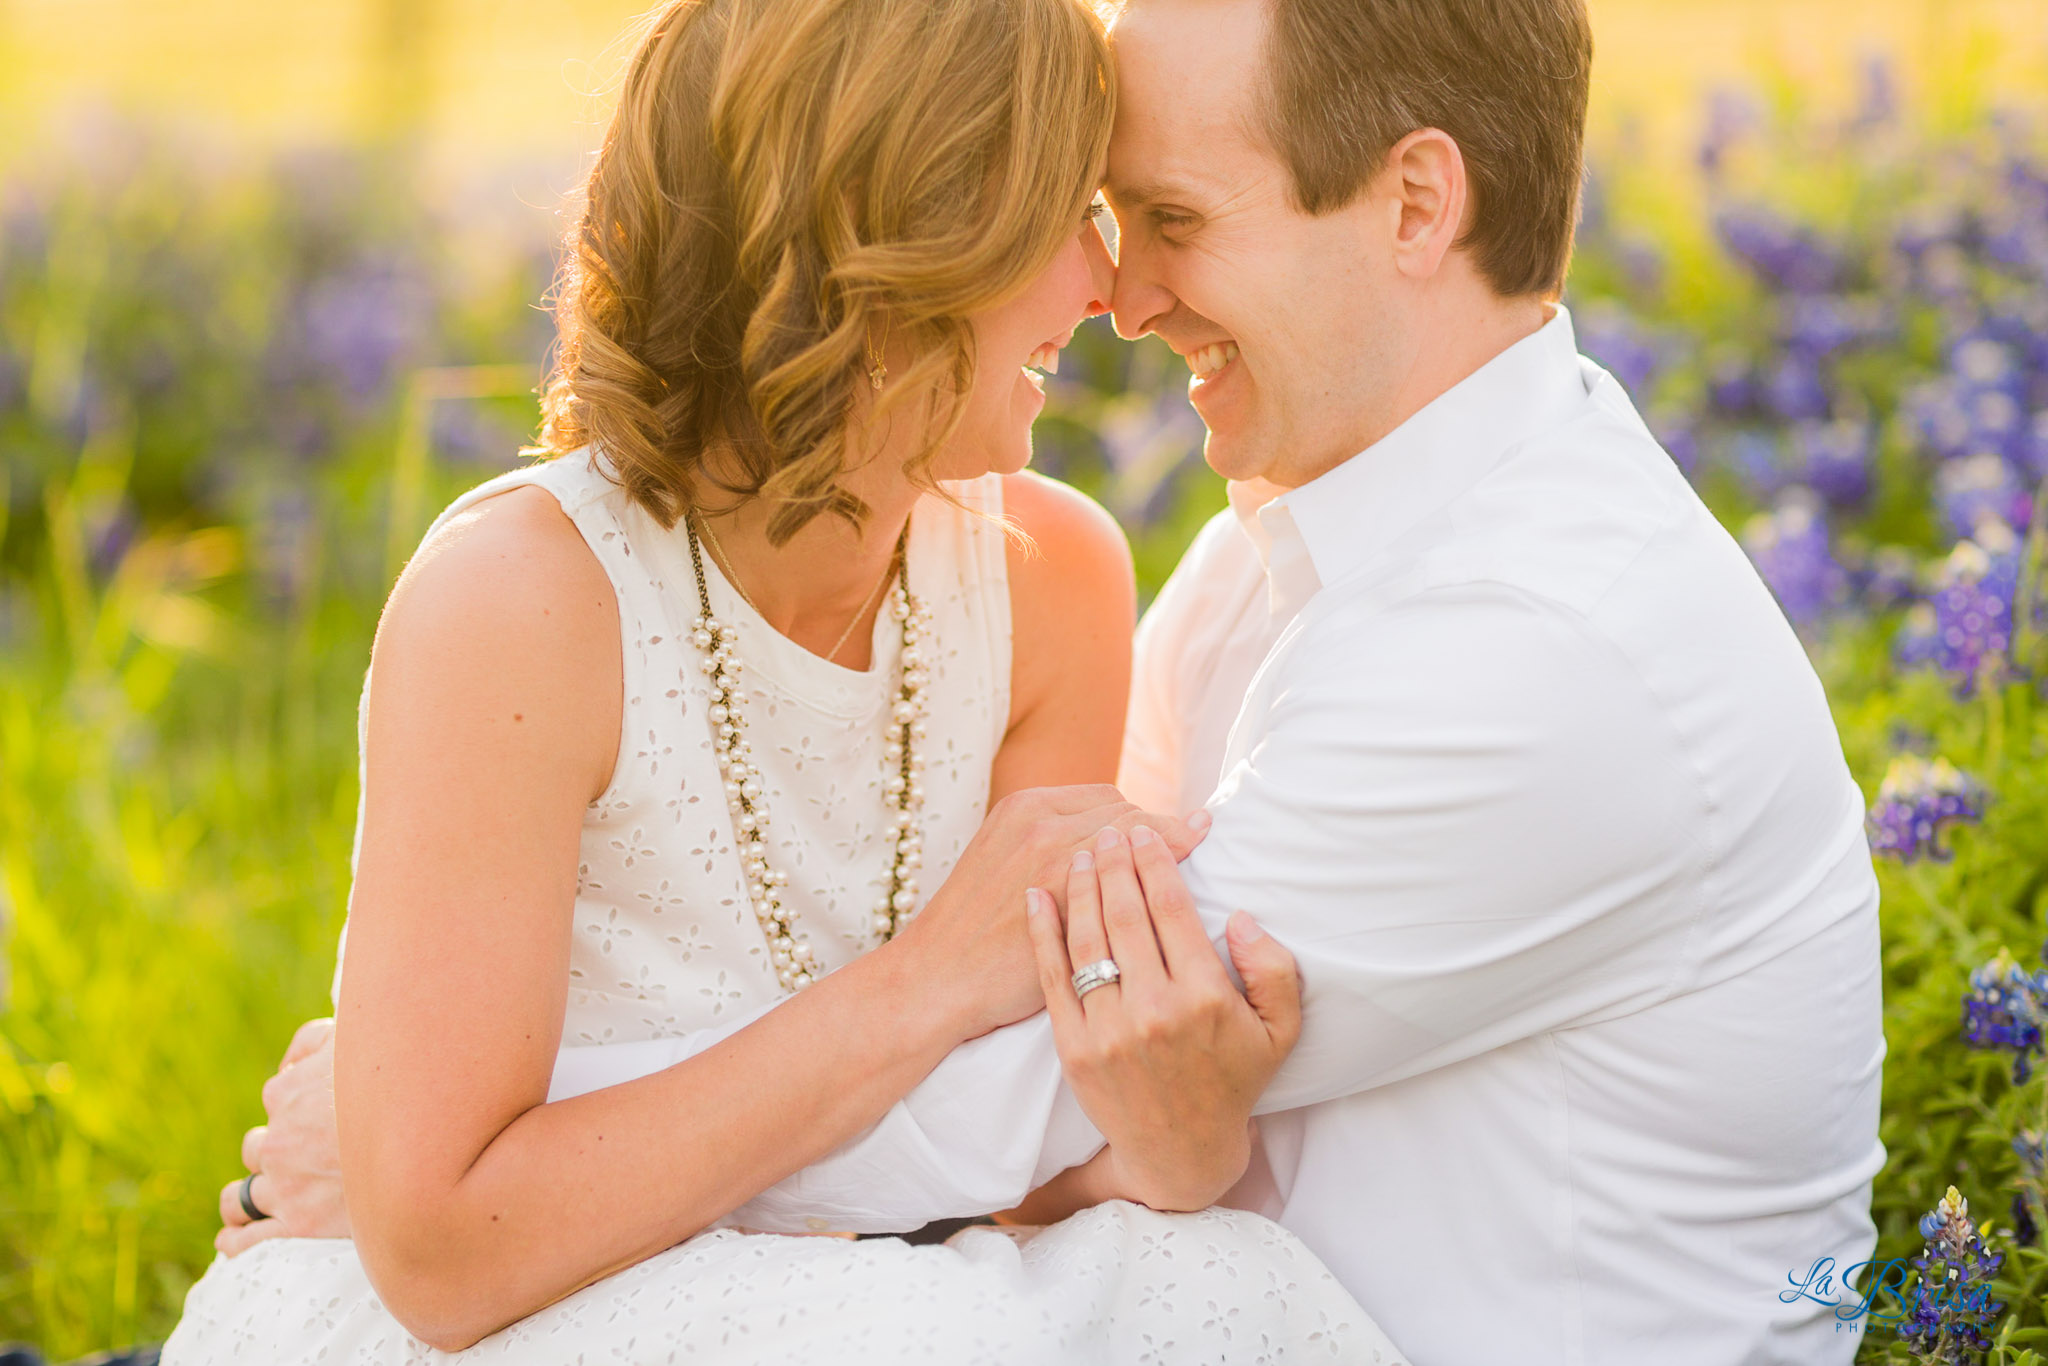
pixel 1506 741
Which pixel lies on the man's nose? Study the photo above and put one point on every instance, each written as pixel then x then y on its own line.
pixel 1139 300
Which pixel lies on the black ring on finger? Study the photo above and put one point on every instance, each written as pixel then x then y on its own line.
pixel 249 1200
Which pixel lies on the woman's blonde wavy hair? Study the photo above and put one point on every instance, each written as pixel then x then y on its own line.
pixel 782 181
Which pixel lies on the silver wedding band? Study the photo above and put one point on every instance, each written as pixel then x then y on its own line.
pixel 1097 974
pixel 249 1199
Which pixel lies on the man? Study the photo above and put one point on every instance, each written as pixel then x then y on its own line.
pixel 1503 740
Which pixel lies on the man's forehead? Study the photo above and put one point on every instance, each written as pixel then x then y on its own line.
pixel 1188 95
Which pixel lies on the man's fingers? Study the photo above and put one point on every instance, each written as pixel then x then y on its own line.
pixel 1272 982
pixel 231 1213
pixel 1181 836
pixel 232 1242
pixel 1055 969
pixel 1131 941
pixel 1182 940
pixel 311 1037
pixel 252 1147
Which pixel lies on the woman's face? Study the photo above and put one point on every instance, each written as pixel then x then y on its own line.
pixel 1011 343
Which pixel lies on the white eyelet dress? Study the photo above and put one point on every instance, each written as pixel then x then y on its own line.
pixel 666 943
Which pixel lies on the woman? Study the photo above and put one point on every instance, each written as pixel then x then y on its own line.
pixel 691 718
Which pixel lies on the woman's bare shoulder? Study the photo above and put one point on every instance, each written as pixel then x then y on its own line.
pixel 1075 547
pixel 506 614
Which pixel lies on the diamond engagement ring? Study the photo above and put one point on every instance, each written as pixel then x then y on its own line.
pixel 1097 974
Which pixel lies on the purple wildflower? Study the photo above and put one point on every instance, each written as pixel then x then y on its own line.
pixel 2004 1011
pixel 1731 384
pixel 1965 630
pixel 1795 389
pixel 1780 253
pixel 1916 800
pixel 2025 1232
pixel 2032 1196
pixel 2031 450
pixel 1952 1307
pixel 1981 488
pixel 1834 460
pixel 1791 549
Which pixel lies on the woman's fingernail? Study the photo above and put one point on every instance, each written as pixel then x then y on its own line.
pixel 1244 927
pixel 1108 838
pixel 1083 860
pixel 1032 905
pixel 1141 835
pixel 1201 821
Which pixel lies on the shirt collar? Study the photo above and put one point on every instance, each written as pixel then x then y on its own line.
pixel 1315 534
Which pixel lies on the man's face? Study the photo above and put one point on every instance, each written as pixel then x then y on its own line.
pixel 1286 320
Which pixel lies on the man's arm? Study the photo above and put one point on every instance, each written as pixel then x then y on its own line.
pixel 1470 822
pixel 1462 818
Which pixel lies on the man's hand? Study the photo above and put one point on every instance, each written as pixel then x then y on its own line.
pixel 973 933
pixel 295 1156
pixel 1169 1060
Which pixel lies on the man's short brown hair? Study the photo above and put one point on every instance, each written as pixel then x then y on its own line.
pixel 1506 79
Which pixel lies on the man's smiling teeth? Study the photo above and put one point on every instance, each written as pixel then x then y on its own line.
pixel 1209 359
pixel 1046 358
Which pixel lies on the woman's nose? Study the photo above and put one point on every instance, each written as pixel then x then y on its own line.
pixel 1101 270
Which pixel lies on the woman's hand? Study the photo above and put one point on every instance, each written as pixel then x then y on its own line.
pixel 295 1156
pixel 1168 1060
pixel 973 933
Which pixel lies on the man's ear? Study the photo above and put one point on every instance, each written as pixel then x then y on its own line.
pixel 1426 172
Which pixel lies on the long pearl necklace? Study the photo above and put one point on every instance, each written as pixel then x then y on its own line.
pixel 902 789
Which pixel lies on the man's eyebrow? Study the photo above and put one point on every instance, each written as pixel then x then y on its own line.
pixel 1149 192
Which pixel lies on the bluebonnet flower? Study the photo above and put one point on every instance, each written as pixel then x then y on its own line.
pixel 1952 1308
pixel 1779 252
pixel 1794 387
pixel 1834 460
pixel 1965 629
pixel 2033 1192
pixel 2031 450
pixel 1938 415
pixel 1731 383
pixel 1916 800
pixel 1978 489
pixel 1819 325
pixel 1751 454
pixel 361 324
pixel 2004 1011
pixel 1990 388
pixel 1791 549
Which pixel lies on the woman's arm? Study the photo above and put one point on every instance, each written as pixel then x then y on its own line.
pixel 493 721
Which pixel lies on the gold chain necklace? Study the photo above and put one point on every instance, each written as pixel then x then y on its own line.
pixel 832 656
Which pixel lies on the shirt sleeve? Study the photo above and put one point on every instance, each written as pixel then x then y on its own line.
pixel 990 1124
pixel 1470 822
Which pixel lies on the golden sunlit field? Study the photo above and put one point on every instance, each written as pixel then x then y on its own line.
pixel 270 286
